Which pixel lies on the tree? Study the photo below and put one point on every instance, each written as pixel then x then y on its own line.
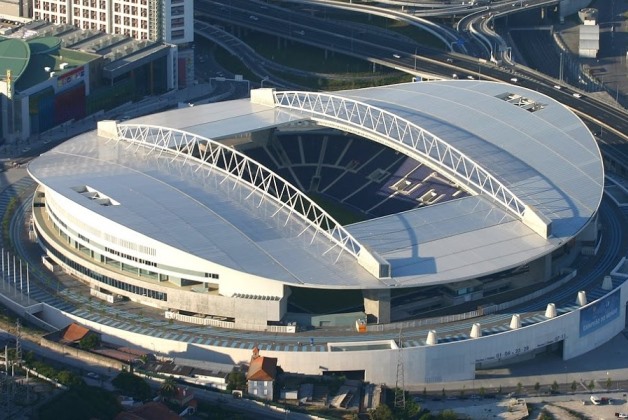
pixel 382 412
pixel 412 409
pixel 68 378
pixel 574 386
pixel 591 385
pixel 89 342
pixel 537 386
pixel 236 380
pixel 519 387
pixel 482 391
pixel 554 387
pixel 444 394
pixel 609 383
pixel 168 387
pixel 448 415
pixel 132 385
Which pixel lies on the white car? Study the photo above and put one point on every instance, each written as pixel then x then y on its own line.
pixel 396 56
pixel 576 95
pixel 92 375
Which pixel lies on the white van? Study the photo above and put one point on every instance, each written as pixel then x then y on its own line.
pixel 596 400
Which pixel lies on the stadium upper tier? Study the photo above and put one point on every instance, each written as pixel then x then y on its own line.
pixel 520 155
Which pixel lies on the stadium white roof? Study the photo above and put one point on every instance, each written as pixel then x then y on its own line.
pixel 534 145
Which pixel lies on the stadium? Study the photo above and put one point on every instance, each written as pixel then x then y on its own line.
pixel 293 211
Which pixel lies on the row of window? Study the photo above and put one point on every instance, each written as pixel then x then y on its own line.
pixel 130 10
pixel 130 257
pixel 90 25
pixel 51 7
pixel 82 226
pixel 178 34
pixel 102 4
pixel 112 251
pixel 141 291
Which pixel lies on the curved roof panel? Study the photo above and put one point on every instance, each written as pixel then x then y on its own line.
pixel 14 56
pixel 547 155
pixel 537 147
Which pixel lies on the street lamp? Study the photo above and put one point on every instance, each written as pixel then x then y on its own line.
pixel 265 79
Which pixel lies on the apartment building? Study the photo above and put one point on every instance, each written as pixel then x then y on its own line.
pixel 170 21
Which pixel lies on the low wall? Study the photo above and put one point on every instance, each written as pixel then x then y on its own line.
pixel 83 355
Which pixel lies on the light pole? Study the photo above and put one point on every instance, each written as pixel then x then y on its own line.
pixel 415 51
pixel 265 79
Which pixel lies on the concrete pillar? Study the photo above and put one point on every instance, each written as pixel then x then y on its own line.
pixel 607 284
pixel 550 312
pixel 476 330
pixel 582 298
pixel 515 322
pixel 431 338
pixel 377 304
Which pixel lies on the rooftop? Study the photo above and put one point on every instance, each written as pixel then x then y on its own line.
pixel 547 156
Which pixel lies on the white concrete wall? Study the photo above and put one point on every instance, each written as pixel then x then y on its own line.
pixel 438 363
pixel 230 281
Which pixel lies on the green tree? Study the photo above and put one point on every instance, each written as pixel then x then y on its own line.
pixel 89 342
pixel 519 387
pixel 168 387
pixel 132 385
pixel 444 393
pixel 499 391
pixel 574 386
pixel 412 409
pixel 554 386
pixel 424 392
pixel 68 378
pixel 382 412
pixel 448 415
pixel 537 386
pixel 482 391
pixel 462 391
pixel 609 383
pixel 236 380
pixel 591 385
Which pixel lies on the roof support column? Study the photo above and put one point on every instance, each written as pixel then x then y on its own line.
pixel 377 305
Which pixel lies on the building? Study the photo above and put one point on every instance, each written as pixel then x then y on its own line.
pixel 261 376
pixel 51 74
pixel 169 21
pixel 468 192
pixel 163 21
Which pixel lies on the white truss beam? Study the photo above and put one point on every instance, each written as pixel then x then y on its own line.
pixel 406 134
pixel 211 155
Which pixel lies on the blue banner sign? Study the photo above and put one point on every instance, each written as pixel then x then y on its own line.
pixel 600 313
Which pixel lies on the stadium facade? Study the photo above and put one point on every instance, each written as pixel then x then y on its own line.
pixel 474 189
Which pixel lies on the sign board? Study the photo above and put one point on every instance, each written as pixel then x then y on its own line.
pixel 600 313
